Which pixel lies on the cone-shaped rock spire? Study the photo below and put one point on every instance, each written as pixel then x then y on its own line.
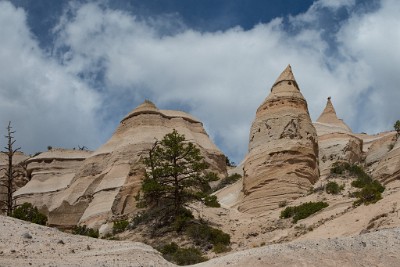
pixel 282 162
pixel 329 116
pixel 102 185
pixel 286 75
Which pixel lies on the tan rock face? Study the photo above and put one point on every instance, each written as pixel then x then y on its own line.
pixel 282 162
pixel 104 184
pixel 388 168
pixel 336 141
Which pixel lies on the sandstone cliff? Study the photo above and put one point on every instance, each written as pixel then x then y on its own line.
pixel 104 183
pixel 282 162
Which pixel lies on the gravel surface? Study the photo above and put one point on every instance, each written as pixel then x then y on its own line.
pixel 25 244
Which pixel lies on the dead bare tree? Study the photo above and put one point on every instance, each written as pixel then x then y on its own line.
pixel 10 173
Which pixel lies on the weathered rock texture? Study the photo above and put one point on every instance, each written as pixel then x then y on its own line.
pixel 336 141
pixel 106 181
pixel 282 162
pixel 388 168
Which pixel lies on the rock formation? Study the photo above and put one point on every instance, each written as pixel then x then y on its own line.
pixel 388 168
pixel 328 122
pixel 107 180
pixel 282 162
pixel 335 140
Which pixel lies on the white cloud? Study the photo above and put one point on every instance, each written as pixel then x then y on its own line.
pixel 223 77
pixel 46 105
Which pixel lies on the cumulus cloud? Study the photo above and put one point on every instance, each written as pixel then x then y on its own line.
pixel 46 105
pixel 222 77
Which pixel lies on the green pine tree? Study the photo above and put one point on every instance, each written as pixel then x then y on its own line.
pixel 175 175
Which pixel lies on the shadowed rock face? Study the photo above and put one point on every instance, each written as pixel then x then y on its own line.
pixel 104 183
pixel 282 162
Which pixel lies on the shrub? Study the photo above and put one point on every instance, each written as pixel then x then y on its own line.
pixel 203 234
pixel 332 188
pixel 369 194
pixel 227 181
pixel 339 167
pixel 29 213
pixel 221 248
pixel 282 204
pixel 182 220
pixel 211 201
pixel 120 226
pixel 83 230
pixel 371 190
pixel 303 211
pixel 181 256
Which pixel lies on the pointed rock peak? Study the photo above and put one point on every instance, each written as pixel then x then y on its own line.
pixel 328 111
pixel 147 104
pixel 146 107
pixel 329 116
pixel 286 75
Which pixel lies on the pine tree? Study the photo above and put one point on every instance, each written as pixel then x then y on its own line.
pixel 175 175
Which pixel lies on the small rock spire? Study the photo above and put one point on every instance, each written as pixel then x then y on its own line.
pixel 329 116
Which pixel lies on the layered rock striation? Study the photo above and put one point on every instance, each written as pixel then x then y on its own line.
pixel 336 141
pixel 282 162
pixel 106 182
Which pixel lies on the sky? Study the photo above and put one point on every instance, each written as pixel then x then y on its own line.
pixel 71 70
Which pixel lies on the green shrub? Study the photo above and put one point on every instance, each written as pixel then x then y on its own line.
pixel 29 213
pixel 371 190
pixel 303 211
pixel 227 181
pixel 203 234
pixel 120 226
pixel 181 256
pixel 212 201
pixel 332 188
pixel 369 194
pixel 221 248
pixel 182 220
pixel 339 167
pixel 282 204
pixel 83 230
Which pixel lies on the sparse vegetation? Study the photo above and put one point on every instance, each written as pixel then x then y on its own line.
pixel 282 204
pixel 203 234
pixel 83 230
pixel 332 188
pixel 303 211
pixel 181 256
pixel 212 201
pixel 371 190
pixel 120 226
pixel 369 194
pixel 29 213
pixel 227 181
pixel 396 126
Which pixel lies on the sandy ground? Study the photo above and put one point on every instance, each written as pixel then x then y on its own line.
pixel 25 244
pixel 380 248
